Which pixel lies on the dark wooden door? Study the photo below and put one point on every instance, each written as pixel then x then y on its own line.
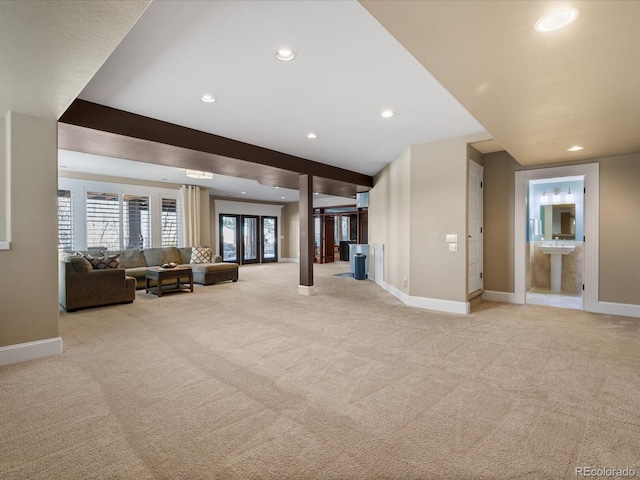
pixel 328 233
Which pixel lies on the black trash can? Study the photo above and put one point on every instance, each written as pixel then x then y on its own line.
pixel 359 266
pixel 344 249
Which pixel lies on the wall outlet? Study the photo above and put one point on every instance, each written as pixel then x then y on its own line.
pixel 452 238
pixel 405 282
pixel 453 247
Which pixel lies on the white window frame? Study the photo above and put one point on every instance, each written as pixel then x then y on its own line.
pixel 79 189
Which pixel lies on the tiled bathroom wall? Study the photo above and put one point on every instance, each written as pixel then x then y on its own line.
pixel 539 268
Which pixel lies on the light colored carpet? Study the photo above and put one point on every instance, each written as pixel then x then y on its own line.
pixel 250 380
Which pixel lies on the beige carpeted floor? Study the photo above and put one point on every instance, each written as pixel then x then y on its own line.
pixel 251 380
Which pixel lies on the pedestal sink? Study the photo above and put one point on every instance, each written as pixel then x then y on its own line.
pixel 556 252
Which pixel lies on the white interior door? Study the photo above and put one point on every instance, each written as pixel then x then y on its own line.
pixel 474 240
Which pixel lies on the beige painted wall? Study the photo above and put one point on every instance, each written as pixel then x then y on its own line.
pixel 439 207
pixel 499 217
pixel 475 155
pixel 619 231
pixel 28 286
pixel 389 218
pixel 290 244
pixel 3 180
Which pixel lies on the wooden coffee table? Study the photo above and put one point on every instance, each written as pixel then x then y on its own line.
pixel 159 274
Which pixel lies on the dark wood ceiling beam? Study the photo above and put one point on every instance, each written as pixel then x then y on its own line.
pixel 106 119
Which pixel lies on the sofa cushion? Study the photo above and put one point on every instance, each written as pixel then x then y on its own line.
pixel 79 263
pixel 213 267
pixel 185 255
pixel 132 259
pixel 159 256
pixel 200 255
pixel 101 263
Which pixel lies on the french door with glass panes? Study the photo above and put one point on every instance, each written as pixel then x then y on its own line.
pixel 248 238
pixel 269 239
pixel 230 238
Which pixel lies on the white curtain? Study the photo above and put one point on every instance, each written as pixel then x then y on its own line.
pixel 190 196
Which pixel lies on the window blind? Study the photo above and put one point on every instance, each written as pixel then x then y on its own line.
pixel 103 220
pixel 65 221
pixel 136 222
pixel 170 222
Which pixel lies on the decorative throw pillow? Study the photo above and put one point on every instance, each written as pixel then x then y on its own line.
pixel 80 264
pixel 107 261
pixel 200 255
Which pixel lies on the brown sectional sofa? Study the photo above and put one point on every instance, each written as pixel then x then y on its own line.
pixel 81 286
pixel 135 263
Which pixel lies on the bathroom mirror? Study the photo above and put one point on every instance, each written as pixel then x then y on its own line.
pixel 558 221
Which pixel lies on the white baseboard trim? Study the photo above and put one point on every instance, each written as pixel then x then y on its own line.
pixel 608 308
pixel 425 303
pixel 505 297
pixel 623 309
pixel 306 290
pixel 30 350
pixel 439 305
pixel 399 294
pixel 290 260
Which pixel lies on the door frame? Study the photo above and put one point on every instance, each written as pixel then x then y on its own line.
pixel 591 173
pixel 478 169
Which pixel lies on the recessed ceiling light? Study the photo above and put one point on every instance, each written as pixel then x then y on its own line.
pixel 276 187
pixel 312 135
pixel 243 193
pixel 575 148
pixel 315 193
pixel 557 19
pixel 207 99
pixel 285 55
pixel 387 113
pixel 198 174
pixel 283 198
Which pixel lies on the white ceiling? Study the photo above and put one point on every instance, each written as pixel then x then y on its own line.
pixel 538 94
pixel 535 94
pixel 347 70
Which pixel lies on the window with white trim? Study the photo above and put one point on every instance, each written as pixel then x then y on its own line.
pixel 117 216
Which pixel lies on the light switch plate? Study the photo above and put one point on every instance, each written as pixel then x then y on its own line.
pixel 452 238
pixel 453 247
